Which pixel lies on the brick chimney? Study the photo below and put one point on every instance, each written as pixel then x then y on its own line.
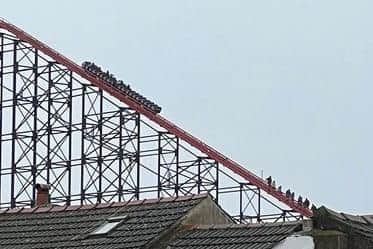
pixel 42 197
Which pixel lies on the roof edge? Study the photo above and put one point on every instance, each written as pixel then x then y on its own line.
pixel 253 225
pixel 102 205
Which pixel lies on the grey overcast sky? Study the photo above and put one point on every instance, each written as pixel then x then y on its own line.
pixel 280 86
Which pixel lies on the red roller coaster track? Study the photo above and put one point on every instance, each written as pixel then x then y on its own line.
pixel 166 124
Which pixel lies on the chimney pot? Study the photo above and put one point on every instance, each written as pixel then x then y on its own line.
pixel 42 198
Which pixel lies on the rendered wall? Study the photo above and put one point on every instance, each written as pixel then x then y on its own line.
pixel 328 239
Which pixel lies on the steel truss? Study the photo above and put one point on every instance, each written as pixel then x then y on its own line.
pixel 57 128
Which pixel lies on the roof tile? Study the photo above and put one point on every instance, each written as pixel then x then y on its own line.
pixel 120 204
pixel 29 210
pixel 151 201
pixel 73 208
pixel 235 236
pixel 58 208
pixel 42 209
pixel 69 227
pixel 355 218
pixel 349 224
pixel 104 205
pixel 14 210
pixel 3 210
pixel 135 203
pixel 89 206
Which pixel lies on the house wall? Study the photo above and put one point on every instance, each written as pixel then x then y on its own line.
pixel 207 213
pixel 358 242
pixel 329 239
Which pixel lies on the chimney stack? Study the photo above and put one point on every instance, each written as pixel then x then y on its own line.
pixel 42 198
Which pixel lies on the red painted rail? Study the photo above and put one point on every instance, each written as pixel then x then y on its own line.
pixel 169 126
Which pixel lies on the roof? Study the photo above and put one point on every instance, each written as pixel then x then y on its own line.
pixel 257 236
pixel 70 226
pixel 355 225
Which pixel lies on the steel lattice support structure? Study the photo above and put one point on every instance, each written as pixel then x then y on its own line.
pixel 59 128
pixel 38 100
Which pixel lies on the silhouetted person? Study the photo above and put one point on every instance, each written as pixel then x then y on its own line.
pixel 288 193
pixel 273 185
pixel 300 200
pixel 269 180
pixel 306 203
pixel 279 189
pixel 292 196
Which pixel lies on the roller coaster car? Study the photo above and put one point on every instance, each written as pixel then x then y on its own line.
pixel 120 85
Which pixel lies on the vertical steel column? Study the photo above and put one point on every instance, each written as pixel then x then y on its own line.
pixel 138 157
pixel 35 128
pixel 99 162
pixel 259 205
pixel 199 175
pixel 121 125
pixel 159 166
pixel 83 158
pixel 177 186
pixel 14 135
pixel 241 203
pixel 1 107
pixel 49 127
pixel 217 184
pixel 70 106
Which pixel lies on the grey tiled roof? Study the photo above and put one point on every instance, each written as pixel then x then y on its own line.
pixel 360 225
pixel 68 227
pixel 259 236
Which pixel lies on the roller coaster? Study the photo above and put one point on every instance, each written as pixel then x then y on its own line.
pixel 93 139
